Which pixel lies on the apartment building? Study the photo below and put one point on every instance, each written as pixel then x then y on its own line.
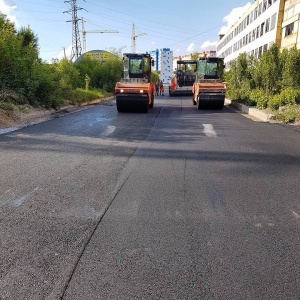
pixel 163 63
pixel 290 25
pixel 256 30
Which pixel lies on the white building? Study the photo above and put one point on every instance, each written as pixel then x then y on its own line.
pixel 256 30
pixel 163 63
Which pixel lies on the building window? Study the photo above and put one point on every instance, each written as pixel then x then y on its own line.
pixel 273 21
pixel 253 35
pixel 255 13
pixel 262 29
pixel 289 29
pixel 257 32
pixel 265 5
pixel 259 9
pixel 268 25
pixel 265 47
pixel 260 51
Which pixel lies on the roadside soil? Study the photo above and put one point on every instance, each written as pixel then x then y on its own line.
pixel 17 118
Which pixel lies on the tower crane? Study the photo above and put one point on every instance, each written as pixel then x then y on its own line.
pixel 84 32
pixel 133 38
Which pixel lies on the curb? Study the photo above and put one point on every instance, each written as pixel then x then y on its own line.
pixel 254 112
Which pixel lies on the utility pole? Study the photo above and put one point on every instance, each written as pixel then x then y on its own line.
pixel 76 44
pixel 84 32
pixel 133 38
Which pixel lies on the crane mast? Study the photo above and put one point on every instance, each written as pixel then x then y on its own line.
pixel 133 39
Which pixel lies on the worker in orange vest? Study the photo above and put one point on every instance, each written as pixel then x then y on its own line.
pixel 161 89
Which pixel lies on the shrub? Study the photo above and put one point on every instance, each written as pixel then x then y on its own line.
pixel 286 97
pixel 288 114
pixel 260 98
pixel 274 102
pixel 8 95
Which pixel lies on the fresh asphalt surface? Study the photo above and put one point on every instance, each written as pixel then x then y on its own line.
pixel 173 204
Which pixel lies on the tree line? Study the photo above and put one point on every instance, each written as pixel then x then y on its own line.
pixel 270 82
pixel 26 79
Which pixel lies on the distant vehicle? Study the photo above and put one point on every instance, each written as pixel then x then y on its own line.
pixel 182 82
pixel 135 91
pixel 209 89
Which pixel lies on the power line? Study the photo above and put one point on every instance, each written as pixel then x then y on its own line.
pixel 76 44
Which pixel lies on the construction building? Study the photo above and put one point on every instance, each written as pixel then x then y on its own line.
pixel 264 23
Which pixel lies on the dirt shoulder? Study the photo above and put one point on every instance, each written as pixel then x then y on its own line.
pixel 17 118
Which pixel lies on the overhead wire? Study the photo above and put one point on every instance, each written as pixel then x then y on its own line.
pixel 151 27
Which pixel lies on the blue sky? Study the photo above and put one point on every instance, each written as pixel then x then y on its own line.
pixel 183 26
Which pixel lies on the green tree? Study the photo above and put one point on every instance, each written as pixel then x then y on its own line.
pixel 290 70
pixel 268 72
pixel 85 67
pixel 195 56
pixel 242 71
pixel 107 74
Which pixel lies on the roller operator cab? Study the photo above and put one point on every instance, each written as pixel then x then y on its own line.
pixel 182 81
pixel 209 89
pixel 135 91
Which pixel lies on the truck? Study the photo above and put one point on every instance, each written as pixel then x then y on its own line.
pixel 184 78
pixel 209 89
pixel 135 91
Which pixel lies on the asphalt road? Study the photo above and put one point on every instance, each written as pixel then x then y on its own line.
pixel 173 204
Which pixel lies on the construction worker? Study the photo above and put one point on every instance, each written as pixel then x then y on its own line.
pixel 161 89
pixel 156 89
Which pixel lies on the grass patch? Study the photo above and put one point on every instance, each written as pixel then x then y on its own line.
pixel 81 95
pixel 7 106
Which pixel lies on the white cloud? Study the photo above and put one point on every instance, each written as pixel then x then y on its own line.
pixel 8 8
pixel 191 48
pixel 233 17
pixel 209 45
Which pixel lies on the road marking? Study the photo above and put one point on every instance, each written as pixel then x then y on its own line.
pixel 209 130
pixel 109 130
pixel 19 201
pixel 297 216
